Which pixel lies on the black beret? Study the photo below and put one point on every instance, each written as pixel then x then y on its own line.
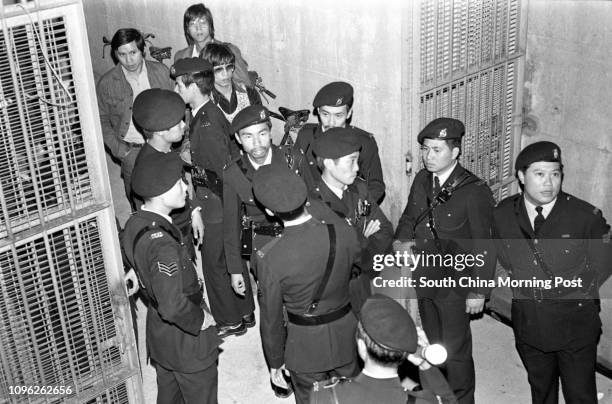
pixel 278 188
pixel 155 174
pixel 442 128
pixel 538 151
pixel 334 94
pixel 190 65
pixel 251 115
pixel 388 324
pixel 157 109
pixel 335 143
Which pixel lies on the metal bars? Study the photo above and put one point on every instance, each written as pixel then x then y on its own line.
pixel 469 57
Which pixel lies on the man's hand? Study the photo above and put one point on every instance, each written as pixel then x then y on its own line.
pixel 277 378
pixel 238 284
pixel 474 303
pixel 403 246
pixel 131 282
pixel 197 226
pixel 372 227
pixel 209 320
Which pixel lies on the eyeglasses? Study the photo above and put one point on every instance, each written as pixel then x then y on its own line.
pixel 228 68
pixel 200 22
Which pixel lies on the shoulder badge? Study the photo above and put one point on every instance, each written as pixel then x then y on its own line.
pixel 155 235
pixel 167 268
pixel 260 254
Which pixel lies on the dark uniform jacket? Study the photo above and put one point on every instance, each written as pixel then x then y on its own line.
pixel 238 191
pixel 290 269
pixel 352 208
pixel 574 243
pixel 369 161
pixel 211 149
pixel 463 225
pixel 364 389
pixel 175 315
pixel 115 99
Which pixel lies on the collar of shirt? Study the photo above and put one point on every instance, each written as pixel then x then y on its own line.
pixel 531 211
pixel 267 161
pixel 168 218
pixel 373 376
pixel 298 221
pixel 199 107
pixel 337 191
pixel 444 176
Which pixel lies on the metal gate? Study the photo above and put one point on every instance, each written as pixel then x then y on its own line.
pixel 472 55
pixel 65 325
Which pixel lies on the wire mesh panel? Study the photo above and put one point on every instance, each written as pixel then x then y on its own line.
pixel 43 164
pixel 65 325
pixel 469 57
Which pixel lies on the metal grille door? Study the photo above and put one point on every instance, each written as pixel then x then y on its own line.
pixel 64 316
pixel 471 59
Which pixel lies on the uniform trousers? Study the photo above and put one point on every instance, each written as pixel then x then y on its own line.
pixel 302 382
pixel 189 388
pixel 226 306
pixel 445 322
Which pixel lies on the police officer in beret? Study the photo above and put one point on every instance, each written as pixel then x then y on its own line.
pixel 386 336
pixel 247 228
pixel 449 213
pixel 211 148
pixel 333 105
pixel 159 116
pixel 182 341
pixel 546 234
pixel 337 152
pixel 306 272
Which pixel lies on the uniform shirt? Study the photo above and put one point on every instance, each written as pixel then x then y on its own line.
pixel 365 389
pixel 289 280
pixel 155 248
pixel 370 168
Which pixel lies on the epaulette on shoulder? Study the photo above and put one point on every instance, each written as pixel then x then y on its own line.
pixel 231 162
pixel 264 250
pixel 362 132
pixel 581 205
pixel 330 383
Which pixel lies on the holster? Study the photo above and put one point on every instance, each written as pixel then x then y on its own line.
pixel 246 238
pixel 202 177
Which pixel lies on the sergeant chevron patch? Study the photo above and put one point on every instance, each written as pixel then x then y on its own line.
pixel 168 269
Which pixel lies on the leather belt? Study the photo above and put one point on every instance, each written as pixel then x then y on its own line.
pixel 300 319
pixel 541 293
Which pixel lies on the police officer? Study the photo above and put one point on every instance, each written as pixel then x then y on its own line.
pixel 210 149
pixel 337 152
pixel 386 336
pixel 159 116
pixel 549 235
pixel 180 340
pixel 305 271
pixel 449 213
pixel 333 105
pixel 247 228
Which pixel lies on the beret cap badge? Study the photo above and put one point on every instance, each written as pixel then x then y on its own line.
pixel 262 114
pixel 339 102
pixel 443 133
pixel 555 153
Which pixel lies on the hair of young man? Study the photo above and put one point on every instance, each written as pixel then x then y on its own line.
pixel 452 143
pixel 124 36
pixel 320 164
pixel 377 353
pixel 294 214
pixel 148 134
pixel 204 80
pixel 194 12
pixel 218 54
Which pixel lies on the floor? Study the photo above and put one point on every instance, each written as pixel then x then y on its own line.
pixel 243 376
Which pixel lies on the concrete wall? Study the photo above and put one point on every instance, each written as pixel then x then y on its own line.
pixel 568 91
pixel 296 47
